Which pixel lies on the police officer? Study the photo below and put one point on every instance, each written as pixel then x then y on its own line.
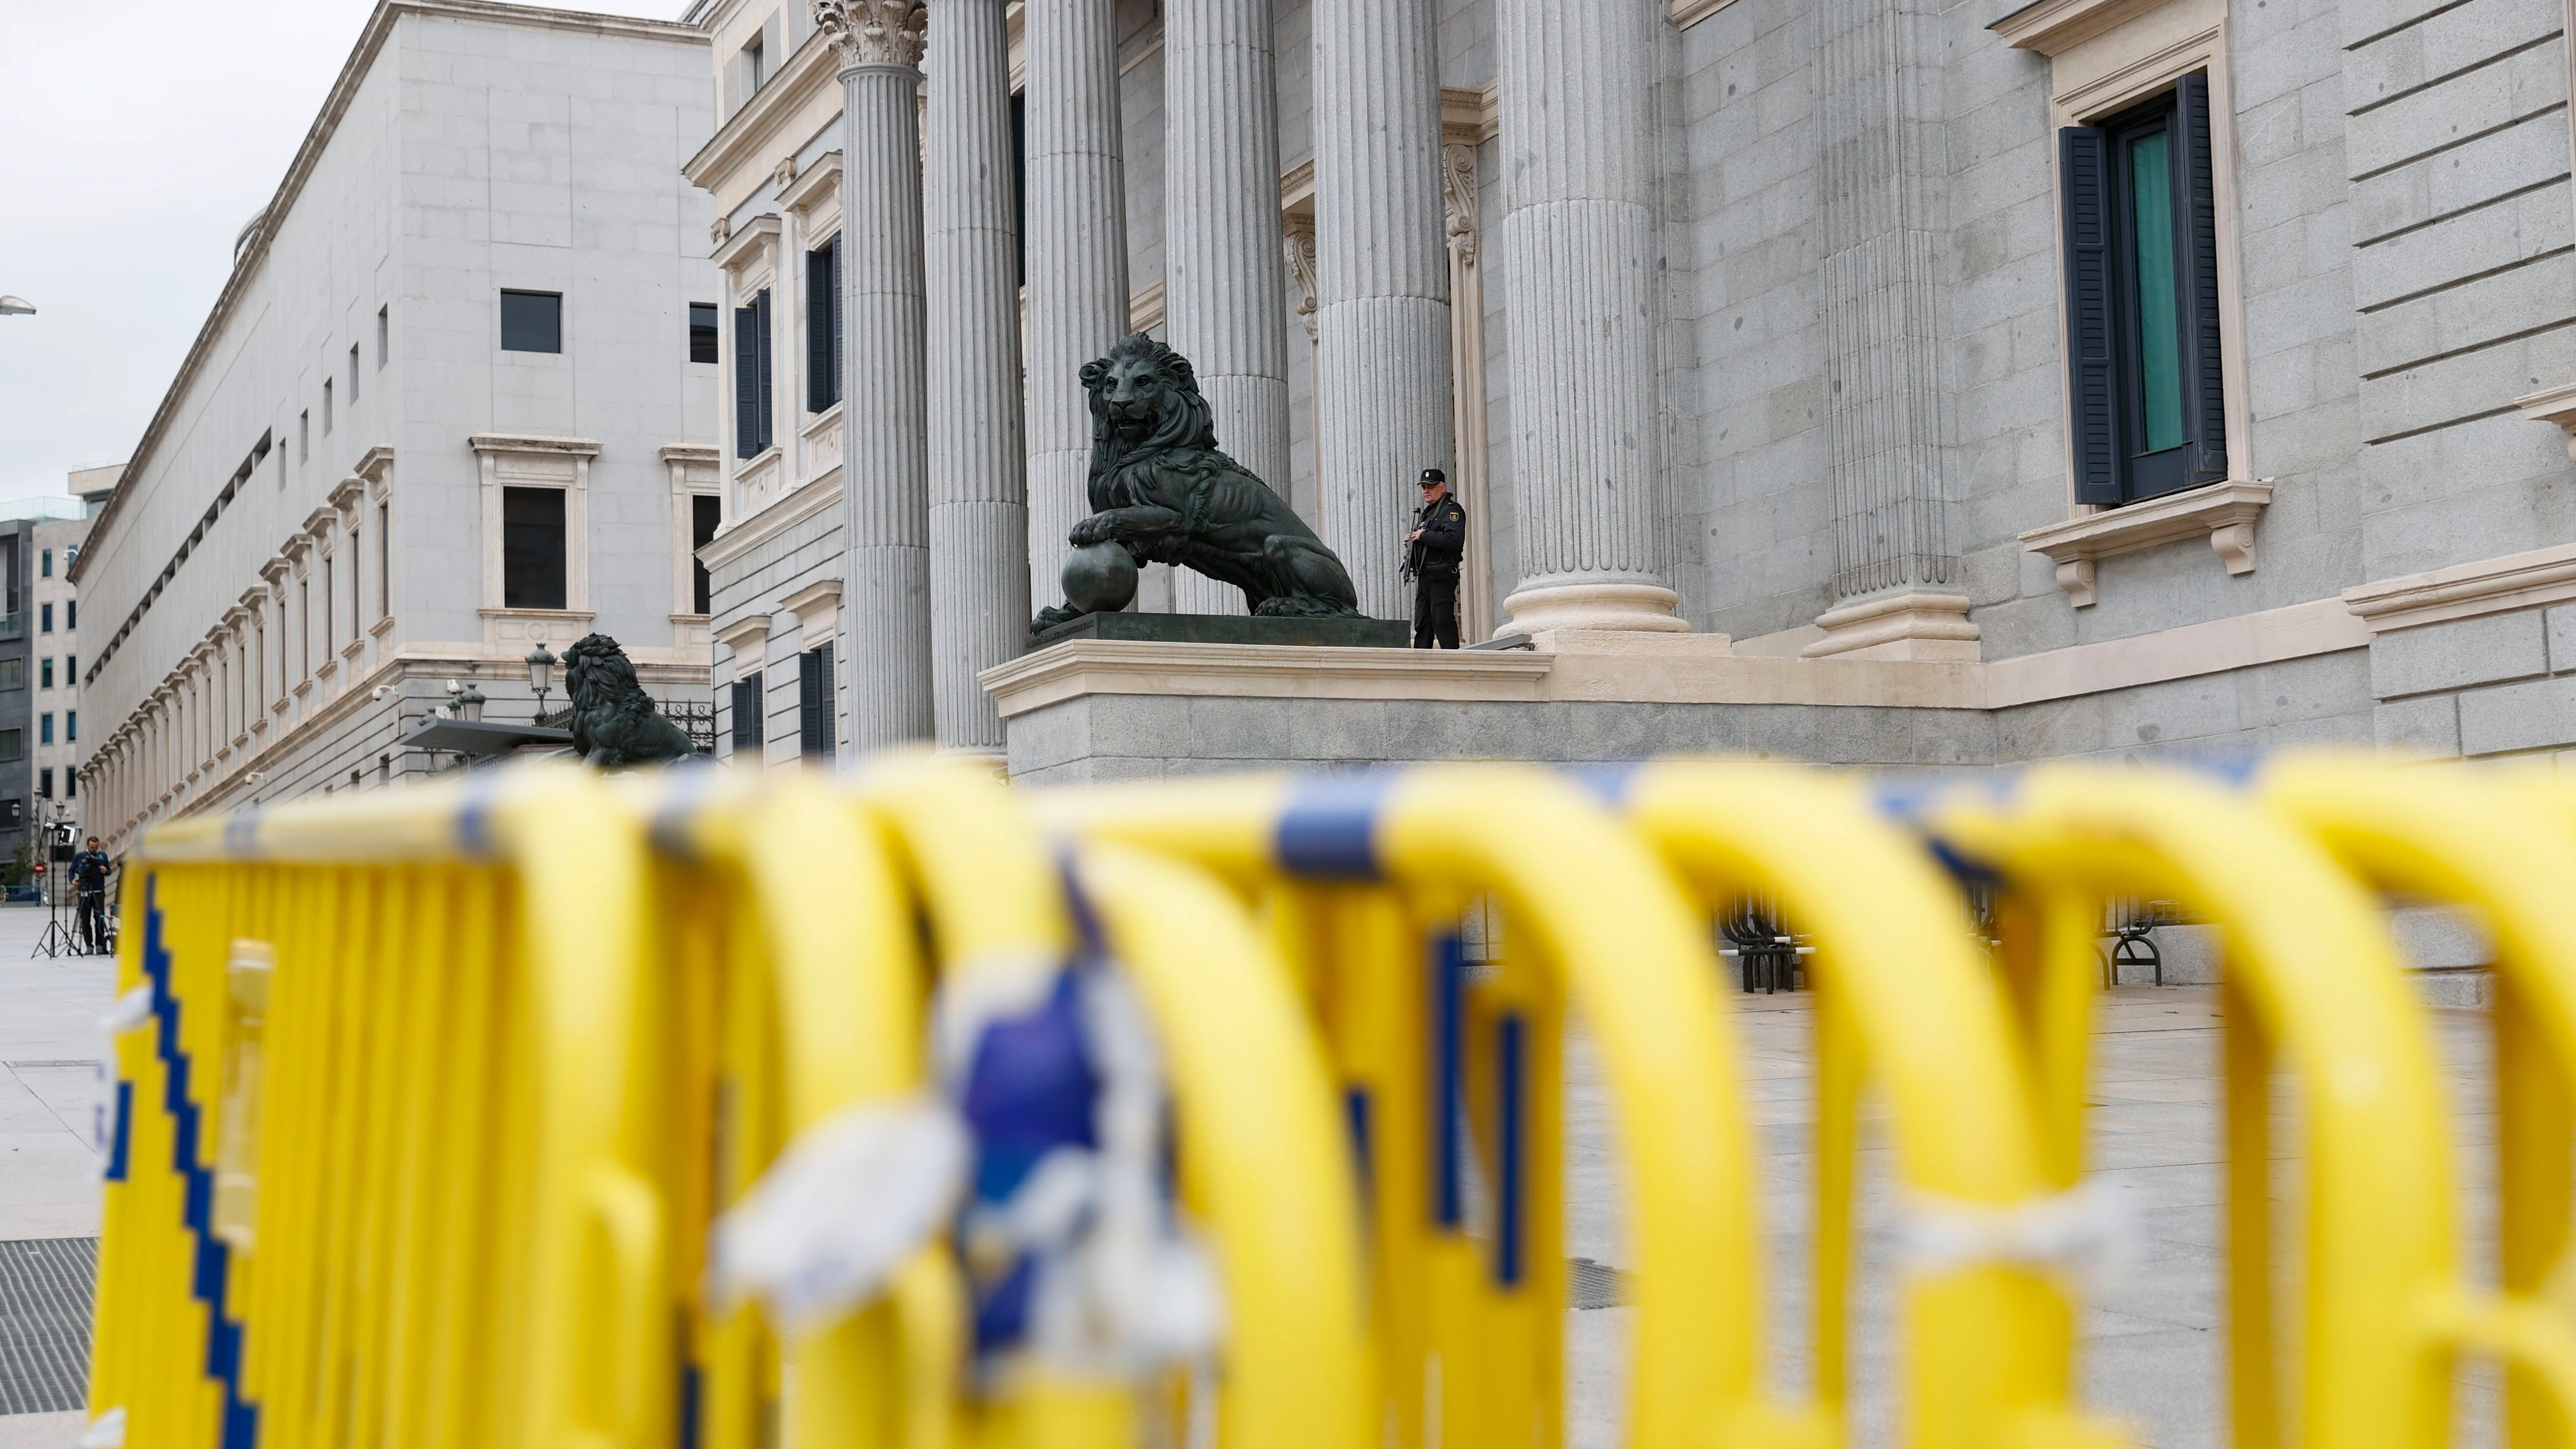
pixel 89 883
pixel 1438 540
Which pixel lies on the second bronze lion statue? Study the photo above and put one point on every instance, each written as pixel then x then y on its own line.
pixel 614 723
pixel 1161 488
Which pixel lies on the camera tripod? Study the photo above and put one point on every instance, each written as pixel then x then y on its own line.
pixel 58 939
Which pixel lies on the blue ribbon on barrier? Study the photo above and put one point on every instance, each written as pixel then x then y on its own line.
pixel 213 1265
pixel 1329 830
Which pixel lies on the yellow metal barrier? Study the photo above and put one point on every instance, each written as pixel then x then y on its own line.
pixel 450 1231
pixel 1903 994
pixel 2495 844
pixel 466 1115
pixel 2314 984
pixel 1363 877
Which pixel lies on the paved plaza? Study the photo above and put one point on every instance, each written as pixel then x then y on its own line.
pixel 2152 1344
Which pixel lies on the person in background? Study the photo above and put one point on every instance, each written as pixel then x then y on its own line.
pixel 1438 542
pixel 89 887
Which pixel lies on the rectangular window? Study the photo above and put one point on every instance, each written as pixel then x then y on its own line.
pixel 13 744
pixel 353 372
pixel 71 671
pixel 751 378
pixel 330 610
pixel 702 332
pixel 706 511
pixel 45 783
pixel 823 326
pixel 71 784
pixel 755 65
pixel 303 442
pixel 44 729
pixel 71 726
pixel 45 565
pixel 304 629
pixel 384 560
pixel 384 333
pixel 71 613
pixel 326 407
pixel 357 588
pixel 44 618
pixel 532 548
pixel 44 674
pixel 532 321
pixel 814 700
pixel 2141 254
pixel 13 673
pixel 747 708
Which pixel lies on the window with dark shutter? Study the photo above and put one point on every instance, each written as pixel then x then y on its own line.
pixel 768 399
pixel 746 382
pixel 532 548
pixel 747 708
pixel 823 326
pixel 814 700
pixel 706 512
pixel 2146 405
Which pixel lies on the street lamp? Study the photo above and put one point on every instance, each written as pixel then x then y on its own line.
pixel 469 704
pixel 541 673
pixel 16 307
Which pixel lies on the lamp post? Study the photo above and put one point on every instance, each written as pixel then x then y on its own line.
pixel 541 673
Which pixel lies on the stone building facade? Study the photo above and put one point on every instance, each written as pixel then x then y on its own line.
pixel 1869 380
pixel 445 409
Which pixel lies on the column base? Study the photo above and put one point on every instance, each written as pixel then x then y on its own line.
pixel 1643 607
pixel 1915 624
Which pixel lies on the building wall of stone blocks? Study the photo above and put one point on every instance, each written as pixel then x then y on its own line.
pixel 469 151
pixel 2502 685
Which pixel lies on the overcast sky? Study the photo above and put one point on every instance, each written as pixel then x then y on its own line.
pixel 135 140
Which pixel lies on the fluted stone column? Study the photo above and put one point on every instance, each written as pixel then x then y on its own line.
pixel 1077 219
pixel 1576 267
pixel 884 633
pixel 1382 368
pixel 979 517
pixel 1223 289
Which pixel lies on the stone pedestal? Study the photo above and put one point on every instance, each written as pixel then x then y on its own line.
pixel 1231 629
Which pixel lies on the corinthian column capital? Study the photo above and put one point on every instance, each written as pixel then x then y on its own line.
pixel 874 32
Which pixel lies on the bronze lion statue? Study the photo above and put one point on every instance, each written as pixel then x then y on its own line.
pixel 614 722
pixel 1161 489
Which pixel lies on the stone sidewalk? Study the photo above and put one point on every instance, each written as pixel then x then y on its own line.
pixel 49 1039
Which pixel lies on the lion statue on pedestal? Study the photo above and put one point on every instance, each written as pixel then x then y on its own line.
pixel 614 722
pixel 1162 491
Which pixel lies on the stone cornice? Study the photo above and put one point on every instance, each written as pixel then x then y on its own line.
pixel 2465 591
pixel 816 497
pixel 308 154
pixel 811 185
pixel 734 635
pixel 1687 13
pixel 2224 513
pixel 760 231
pixel 533 443
pixel 2053 26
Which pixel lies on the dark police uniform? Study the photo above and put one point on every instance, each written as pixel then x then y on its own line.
pixel 1436 555
pixel 89 882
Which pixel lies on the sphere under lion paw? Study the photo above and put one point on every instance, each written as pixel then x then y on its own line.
pixel 1100 579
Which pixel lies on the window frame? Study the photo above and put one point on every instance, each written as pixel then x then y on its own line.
pixel 823 323
pixel 564 545
pixel 2102 251
pixel 713 336
pixel 557 298
pixel 750 704
pixel 755 378
pixel 817 703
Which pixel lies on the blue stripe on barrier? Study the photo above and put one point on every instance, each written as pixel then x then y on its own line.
pixel 474 813
pixel 1609 783
pixel 1329 830
pixel 1449 1087
pixel 1355 1110
pixel 213 1263
pixel 1512 1168
pixel 122 1142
